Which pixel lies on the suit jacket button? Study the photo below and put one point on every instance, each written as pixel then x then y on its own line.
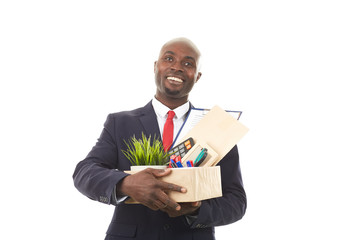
pixel 166 227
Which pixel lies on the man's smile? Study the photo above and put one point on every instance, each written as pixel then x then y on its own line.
pixel 175 80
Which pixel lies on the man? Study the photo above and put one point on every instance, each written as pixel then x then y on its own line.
pixel 100 175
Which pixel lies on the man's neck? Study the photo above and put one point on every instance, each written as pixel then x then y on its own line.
pixel 172 103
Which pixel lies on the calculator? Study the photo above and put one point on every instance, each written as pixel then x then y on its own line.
pixel 182 148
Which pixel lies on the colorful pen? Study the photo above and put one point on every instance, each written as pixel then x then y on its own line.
pixel 198 163
pixel 200 155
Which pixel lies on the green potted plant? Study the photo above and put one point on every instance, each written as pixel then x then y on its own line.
pixel 144 152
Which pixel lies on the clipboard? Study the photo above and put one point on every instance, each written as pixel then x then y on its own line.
pixel 218 130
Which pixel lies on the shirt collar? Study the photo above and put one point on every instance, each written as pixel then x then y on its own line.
pixel 161 110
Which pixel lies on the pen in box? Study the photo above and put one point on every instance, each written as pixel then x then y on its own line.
pixel 200 155
pixel 179 164
pixel 178 161
pixel 172 163
pixel 189 163
pixel 198 163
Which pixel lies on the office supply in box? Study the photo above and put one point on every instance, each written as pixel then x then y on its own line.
pixel 182 148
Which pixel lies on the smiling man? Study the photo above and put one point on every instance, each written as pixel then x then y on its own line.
pixel 176 72
pixel 100 176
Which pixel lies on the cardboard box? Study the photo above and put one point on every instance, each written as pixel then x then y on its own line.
pixel 201 183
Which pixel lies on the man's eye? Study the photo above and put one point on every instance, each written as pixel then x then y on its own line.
pixel 168 59
pixel 188 64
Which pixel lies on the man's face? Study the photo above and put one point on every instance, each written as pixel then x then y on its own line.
pixel 176 71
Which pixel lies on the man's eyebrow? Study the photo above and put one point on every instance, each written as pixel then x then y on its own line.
pixel 171 52
pixel 188 57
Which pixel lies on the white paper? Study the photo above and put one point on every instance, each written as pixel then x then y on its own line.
pixel 195 115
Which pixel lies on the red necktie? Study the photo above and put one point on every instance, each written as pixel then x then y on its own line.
pixel 168 132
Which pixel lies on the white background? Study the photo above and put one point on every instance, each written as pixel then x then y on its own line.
pixel 292 67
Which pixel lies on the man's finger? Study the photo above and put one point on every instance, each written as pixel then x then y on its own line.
pixel 168 202
pixel 161 172
pixel 167 186
pixel 171 187
pixel 196 204
pixel 159 204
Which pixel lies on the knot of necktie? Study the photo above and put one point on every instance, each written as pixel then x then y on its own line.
pixel 171 115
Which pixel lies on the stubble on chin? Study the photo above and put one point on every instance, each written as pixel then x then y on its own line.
pixel 171 93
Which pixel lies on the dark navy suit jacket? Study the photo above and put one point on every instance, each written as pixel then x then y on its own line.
pixel 97 175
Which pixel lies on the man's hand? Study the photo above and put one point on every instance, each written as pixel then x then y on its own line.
pixel 145 188
pixel 186 209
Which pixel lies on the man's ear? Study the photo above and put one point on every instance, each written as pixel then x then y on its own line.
pixel 198 77
pixel 155 66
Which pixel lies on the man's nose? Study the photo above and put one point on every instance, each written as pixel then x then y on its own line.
pixel 177 66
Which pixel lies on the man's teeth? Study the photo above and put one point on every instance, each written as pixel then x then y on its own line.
pixel 175 79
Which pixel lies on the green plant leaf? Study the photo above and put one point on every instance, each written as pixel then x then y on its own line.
pixel 145 151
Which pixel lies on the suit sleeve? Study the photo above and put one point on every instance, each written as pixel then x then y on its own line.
pixel 97 175
pixel 232 205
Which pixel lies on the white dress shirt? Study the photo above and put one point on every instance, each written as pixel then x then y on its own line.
pixel 162 112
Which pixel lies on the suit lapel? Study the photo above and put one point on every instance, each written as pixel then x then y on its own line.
pixel 149 121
